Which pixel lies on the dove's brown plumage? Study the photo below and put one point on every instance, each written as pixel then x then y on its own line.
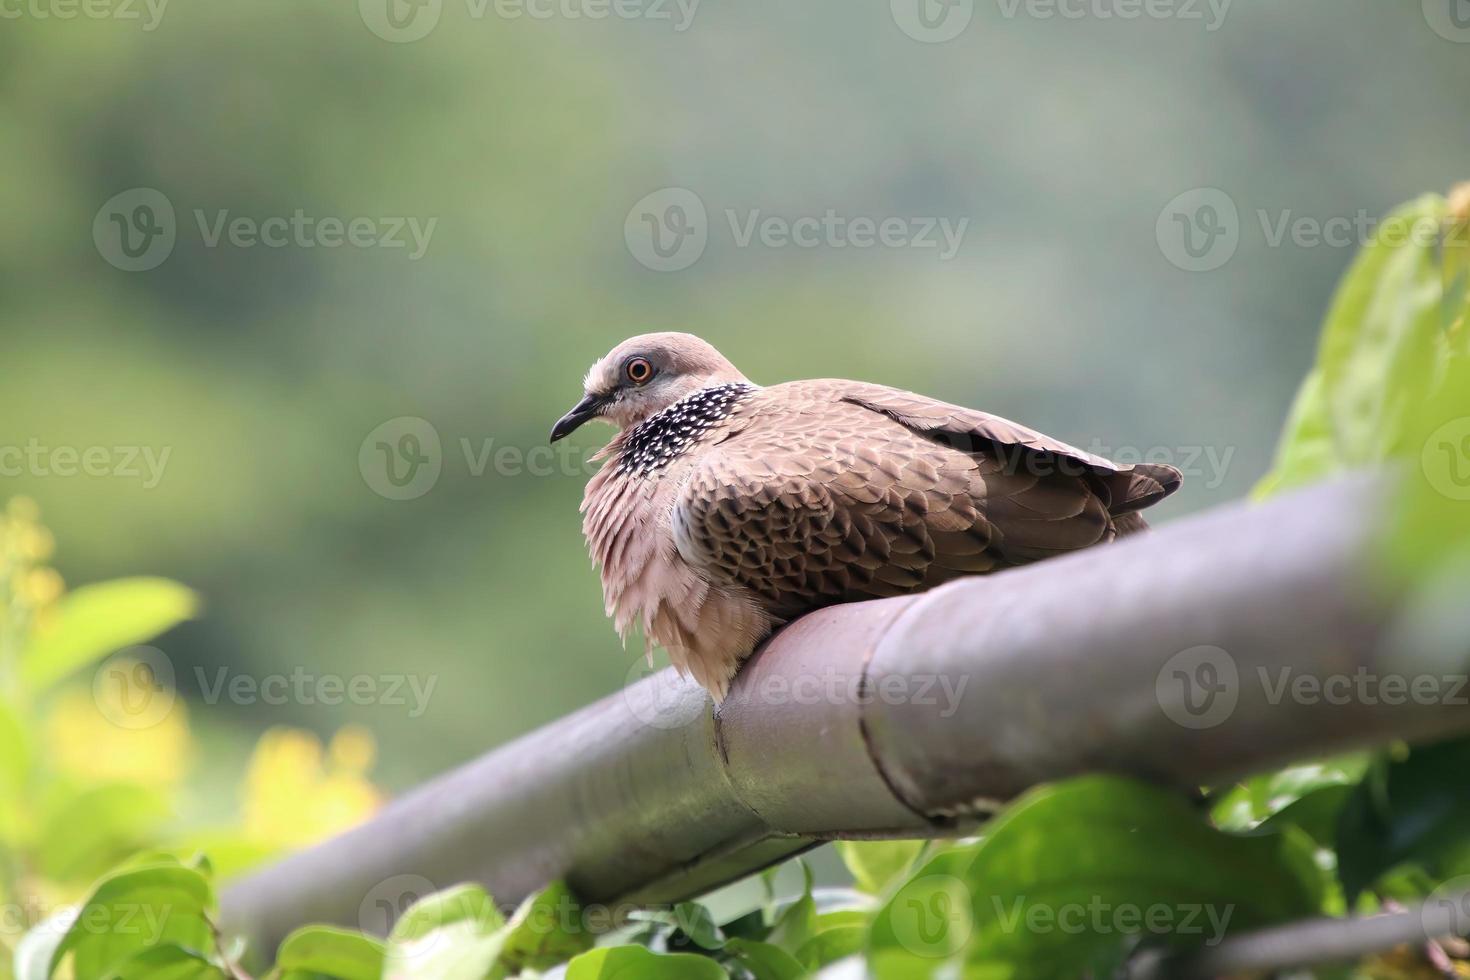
pixel 725 509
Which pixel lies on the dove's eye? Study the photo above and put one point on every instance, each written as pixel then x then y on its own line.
pixel 638 370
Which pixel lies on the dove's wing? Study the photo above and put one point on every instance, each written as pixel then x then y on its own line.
pixel 834 491
pixel 1127 488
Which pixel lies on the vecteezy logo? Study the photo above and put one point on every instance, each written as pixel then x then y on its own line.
pixel 932 915
pixel 1445 459
pixel 401 459
pixel 135 230
pixel 932 21
pixel 1450 19
pixel 386 902
pixel 400 21
pixel 667 230
pixel 134 688
pixel 1199 230
pixel 661 698
pixel 1446 912
pixel 1199 687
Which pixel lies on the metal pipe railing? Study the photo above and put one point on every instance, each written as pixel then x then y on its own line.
pixel 1157 656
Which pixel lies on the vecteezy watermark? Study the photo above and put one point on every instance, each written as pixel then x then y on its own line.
pixel 1210 13
pixel 1201 229
pixel 1207 464
pixel 1446 912
pixel 1445 459
pixel 937 21
pixel 402 458
pixel 835 687
pixel 1198 687
pixel 137 230
pixel 1450 19
pixel 404 21
pixel 145 921
pixel 149 13
pixel 36 459
pixel 303 687
pixel 1099 917
pixel 932 21
pixel 664 699
pixel 1201 687
pixel 136 688
pixel 932 915
pixel 387 900
pixel 669 229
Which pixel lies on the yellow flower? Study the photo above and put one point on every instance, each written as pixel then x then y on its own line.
pixel 42 587
pixel 23 510
pixel 123 730
pixel 294 796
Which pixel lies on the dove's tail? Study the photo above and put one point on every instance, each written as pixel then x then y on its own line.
pixel 1138 487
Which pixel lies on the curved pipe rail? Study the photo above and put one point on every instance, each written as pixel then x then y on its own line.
pixel 1158 656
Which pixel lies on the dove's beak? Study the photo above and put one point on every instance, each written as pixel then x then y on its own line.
pixel 587 408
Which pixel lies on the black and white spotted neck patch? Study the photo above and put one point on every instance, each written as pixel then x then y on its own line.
pixel 665 436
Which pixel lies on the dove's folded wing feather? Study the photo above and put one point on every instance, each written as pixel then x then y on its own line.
pixel 841 491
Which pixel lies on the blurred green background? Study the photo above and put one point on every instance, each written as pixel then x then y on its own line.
pixel 262 370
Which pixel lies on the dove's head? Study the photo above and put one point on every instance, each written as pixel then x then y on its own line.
pixel 644 375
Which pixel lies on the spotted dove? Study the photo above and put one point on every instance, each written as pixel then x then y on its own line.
pixel 726 509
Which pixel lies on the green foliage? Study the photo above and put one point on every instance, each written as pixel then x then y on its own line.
pixel 1409 810
pixel 1072 875
pixel 1392 383
pixel 1391 388
pixel 456 934
pixel 637 963
pixel 876 864
pixel 136 912
pixel 95 620
pixel 1383 348
pixel 1134 861
pixel 325 951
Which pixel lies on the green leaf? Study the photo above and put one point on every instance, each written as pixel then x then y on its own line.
pixel 1383 335
pixel 133 910
pixel 90 831
pixel 831 945
pixel 456 934
pixel 15 753
pixel 874 864
pixel 695 921
pixel 95 620
pixel 766 962
pixel 332 952
pixel 1315 814
pixel 1431 522
pixel 637 963
pixel 1382 348
pixel 167 963
pixel 1306 452
pixel 467 907
pixel 1415 810
pixel 545 930
pixel 1258 798
pixel 797 923
pixel 751 925
pixel 1071 874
